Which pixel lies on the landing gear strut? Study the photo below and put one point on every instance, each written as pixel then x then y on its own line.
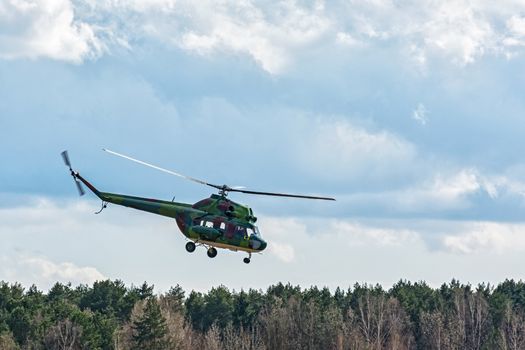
pixel 190 247
pixel 212 252
pixel 247 260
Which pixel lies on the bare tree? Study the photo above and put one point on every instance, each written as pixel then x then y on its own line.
pixel 65 335
pixel 433 330
pixel 276 325
pixel 478 319
pixel 373 319
pixel 7 342
pixel 241 339
pixel 400 335
pixel 212 339
pixel 177 328
pixel 512 330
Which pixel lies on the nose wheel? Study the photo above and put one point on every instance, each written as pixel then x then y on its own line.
pixel 248 259
pixel 190 247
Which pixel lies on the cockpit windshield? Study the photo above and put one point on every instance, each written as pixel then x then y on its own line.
pixel 256 231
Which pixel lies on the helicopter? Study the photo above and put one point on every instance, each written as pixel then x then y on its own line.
pixel 214 222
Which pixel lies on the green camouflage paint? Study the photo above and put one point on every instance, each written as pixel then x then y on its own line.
pixel 215 221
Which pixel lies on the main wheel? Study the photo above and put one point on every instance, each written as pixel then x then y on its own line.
pixel 246 260
pixel 212 252
pixel 190 247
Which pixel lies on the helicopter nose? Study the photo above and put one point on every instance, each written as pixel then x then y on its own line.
pixel 263 245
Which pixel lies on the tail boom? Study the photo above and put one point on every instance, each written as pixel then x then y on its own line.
pixel 151 205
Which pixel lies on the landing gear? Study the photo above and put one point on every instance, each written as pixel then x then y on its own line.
pixel 190 247
pixel 212 252
pixel 247 260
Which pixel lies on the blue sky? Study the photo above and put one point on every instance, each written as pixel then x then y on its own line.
pixel 411 114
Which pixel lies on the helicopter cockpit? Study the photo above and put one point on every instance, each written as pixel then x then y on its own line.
pixel 254 237
pixel 215 228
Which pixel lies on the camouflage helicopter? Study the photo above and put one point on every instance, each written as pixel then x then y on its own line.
pixel 214 222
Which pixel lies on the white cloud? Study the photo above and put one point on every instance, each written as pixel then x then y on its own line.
pixel 357 234
pixel 48 242
pixel 68 243
pixel 347 39
pixel 45 28
pixel 516 24
pixel 451 191
pixel 463 183
pixel 44 273
pixel 275 35
pixel 286 234
pixel 420 114
pixel 460 30
pixel 282 234
pixel 285 252
pixel 487 237
pixel 339 149
pixel 470 180
pixel 269 35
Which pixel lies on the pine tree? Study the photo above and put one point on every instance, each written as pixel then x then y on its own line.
pixel 149 330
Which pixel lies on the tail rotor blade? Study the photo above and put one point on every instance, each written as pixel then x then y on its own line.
pixel 81 191
pixel 65 157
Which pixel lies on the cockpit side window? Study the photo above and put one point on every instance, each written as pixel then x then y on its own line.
pixel 249 231
pixel 240 230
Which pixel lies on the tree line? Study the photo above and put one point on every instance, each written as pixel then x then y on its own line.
pixel 110 315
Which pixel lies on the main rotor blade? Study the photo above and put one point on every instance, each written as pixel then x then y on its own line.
pixel 224 188
pixel 161 169
pixel 280 194
pixel 65 157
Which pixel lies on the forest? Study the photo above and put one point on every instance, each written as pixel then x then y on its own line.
pixel 111 315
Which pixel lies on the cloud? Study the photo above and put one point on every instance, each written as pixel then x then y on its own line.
pixel 436 192
pixel 469 181
pixel 454 187
pixel 269 34
pixel 285 252
pixel 516 25
pixel 347 39
pixel 286 234
pixel 282 235
pixel 339 149
pixel 274 35
pixel 457 190
pixel 49 240
pixel 44 273
pixel 420 114
pixel 460 30
pixel 487 237
pixel 357 234
pixel 45 28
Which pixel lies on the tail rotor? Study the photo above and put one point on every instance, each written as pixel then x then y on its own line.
pixel 65 157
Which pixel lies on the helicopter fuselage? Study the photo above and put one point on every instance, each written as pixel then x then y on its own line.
pixel 215 221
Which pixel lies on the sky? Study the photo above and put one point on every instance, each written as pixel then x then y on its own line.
pixel 410 113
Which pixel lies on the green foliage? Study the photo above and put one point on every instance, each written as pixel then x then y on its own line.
pixel 408 316
pixel 150 328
